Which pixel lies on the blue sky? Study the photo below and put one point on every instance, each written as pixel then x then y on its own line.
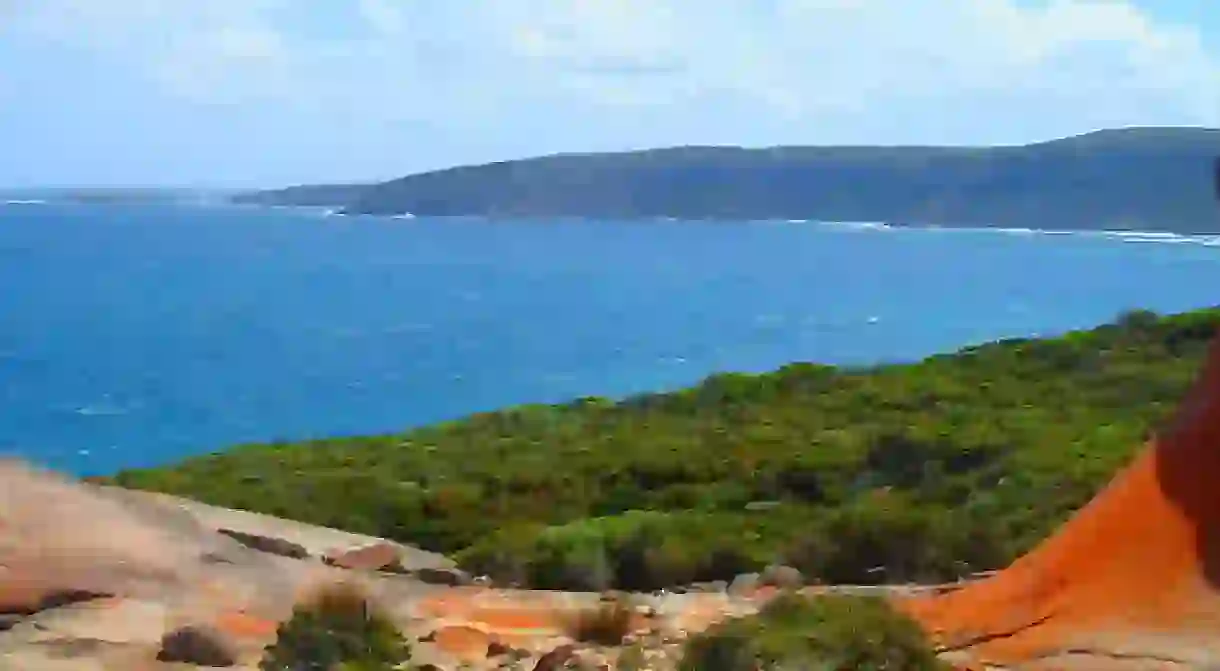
pixel 275 92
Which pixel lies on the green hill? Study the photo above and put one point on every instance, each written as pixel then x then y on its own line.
pixel 927 470
pixel 1136 178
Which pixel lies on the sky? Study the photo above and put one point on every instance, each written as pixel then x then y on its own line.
pixel 264 93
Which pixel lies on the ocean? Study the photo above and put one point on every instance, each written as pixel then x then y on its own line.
pixel 136 335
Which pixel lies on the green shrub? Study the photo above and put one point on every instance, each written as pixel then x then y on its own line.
pixel 636 550
pixel 890 538
pixel 607 623
pixel 337 628
pixel 836 633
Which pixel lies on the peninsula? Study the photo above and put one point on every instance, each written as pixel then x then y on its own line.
pixel 1131 178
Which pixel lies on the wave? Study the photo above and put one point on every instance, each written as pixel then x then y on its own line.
pixel 862 225
pixel 1123 235
pixel 104 407
pixel 101 410
pixel 26 201
pixel 1130 236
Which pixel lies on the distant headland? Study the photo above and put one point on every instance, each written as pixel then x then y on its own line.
pixel 1132 178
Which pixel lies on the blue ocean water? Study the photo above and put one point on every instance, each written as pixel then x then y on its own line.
pixel 136 334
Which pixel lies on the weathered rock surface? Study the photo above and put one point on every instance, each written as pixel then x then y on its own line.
pixel 317 541
pixel 100 574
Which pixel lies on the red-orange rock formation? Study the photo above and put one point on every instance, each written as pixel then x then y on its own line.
pixel 1132 579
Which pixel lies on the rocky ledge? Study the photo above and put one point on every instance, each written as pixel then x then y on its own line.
pixel 98 578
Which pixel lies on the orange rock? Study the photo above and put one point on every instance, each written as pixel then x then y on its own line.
pixel 1135 573
pixel 463 642
pixel 497 611
pixel 243 625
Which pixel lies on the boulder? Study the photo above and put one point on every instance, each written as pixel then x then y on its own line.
pixel 371 557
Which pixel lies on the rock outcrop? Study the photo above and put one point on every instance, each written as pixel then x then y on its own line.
pixel 118 579
pixel 1131 581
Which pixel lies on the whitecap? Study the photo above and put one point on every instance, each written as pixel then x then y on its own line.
pixel 862 225
pixel 1134 236
pixel 100 410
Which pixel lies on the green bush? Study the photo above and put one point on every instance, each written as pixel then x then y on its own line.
pixel 884 538
pixel 890 538
pixel 607 623
pixel 836 633
pixel 338 628
pixel 637 550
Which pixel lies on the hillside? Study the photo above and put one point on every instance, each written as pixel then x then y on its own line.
pixel 314 195
pixel 923 471
pixel 105 578
pixel 1137 178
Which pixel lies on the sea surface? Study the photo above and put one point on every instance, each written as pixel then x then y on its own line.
pixel 135 335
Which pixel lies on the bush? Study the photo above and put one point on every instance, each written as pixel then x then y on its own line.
pixel 882 538
pixel 889 538
pixel 636 550
pixel 338 628
pixel 607 623
pixel 838 633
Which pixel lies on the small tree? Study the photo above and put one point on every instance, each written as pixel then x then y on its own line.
pixel 338 628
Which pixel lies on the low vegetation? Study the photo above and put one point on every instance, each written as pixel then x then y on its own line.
pixel 607 623
pixel 337 629
pixel 826 632
pixel 921 471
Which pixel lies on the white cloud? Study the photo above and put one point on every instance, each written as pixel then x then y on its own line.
pixel 842 66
